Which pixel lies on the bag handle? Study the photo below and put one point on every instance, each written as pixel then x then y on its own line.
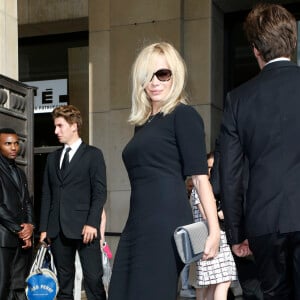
pixel 40 257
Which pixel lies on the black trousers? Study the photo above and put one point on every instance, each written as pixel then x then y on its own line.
pixel 248 278
pixel 15 264
pixel 64 251
pixel 278 260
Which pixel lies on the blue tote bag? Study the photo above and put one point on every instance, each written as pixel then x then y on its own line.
pixel 42 281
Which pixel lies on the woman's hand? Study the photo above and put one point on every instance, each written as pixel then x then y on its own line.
pixel 211 247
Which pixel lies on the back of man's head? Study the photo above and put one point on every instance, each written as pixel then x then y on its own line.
pixel 272 30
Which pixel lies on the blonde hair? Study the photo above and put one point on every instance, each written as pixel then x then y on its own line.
pixel 142 72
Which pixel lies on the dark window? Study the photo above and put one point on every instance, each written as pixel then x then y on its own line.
pixel 46 57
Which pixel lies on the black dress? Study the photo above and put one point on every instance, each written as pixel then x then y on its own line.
pixel 160 155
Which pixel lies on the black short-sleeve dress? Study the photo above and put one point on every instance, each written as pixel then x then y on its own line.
pixel 160 155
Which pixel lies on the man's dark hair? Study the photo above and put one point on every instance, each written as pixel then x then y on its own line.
pixel 7 131
pixel 272 30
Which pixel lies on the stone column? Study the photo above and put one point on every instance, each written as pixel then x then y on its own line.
pixel 79 85
pixel 203 52
pixel 9 39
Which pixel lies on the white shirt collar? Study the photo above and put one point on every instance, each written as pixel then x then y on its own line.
pixel 74 147
pixel 277 59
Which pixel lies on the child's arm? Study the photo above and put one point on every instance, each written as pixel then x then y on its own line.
pixel 102 227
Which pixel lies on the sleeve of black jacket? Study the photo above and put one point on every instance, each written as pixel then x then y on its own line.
pixel 215 172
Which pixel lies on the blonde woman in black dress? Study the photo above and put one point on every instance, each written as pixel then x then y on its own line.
pixel 158 158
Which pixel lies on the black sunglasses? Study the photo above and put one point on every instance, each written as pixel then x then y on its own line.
pixel 162 75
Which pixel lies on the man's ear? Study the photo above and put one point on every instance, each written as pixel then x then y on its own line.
pixel 74 127
pixel 256 52
pixel 259 58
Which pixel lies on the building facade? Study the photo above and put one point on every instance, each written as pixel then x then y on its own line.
pixel 92 44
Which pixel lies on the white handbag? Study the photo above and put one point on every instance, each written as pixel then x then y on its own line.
pixel 190 241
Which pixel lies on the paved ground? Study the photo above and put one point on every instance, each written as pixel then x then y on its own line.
pixel 235 288
pixel 237 297
pixel 179 298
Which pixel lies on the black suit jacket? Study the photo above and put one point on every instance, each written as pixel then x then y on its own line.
pixel 261 123
pixel 15 205
pixel 76 199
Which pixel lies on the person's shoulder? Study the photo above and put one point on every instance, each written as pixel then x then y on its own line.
pixel 250 86
pixel 2 164
pixel 54 153
pixel 92 149
pixel 184 109
pixel 186 112
pixel 246 87
pixel 23 174
pixel 242 94
pixel 21 170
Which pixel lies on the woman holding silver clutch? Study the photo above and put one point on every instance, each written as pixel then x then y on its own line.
pixel 168 145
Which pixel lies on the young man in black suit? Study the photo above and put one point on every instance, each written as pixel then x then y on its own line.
pixel 261 123
pixel 74 192
pixel 16 220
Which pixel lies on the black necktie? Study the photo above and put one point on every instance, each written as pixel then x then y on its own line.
pixel 14 174
pixel 66 161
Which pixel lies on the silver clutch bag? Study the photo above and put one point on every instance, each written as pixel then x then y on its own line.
pixel 190 241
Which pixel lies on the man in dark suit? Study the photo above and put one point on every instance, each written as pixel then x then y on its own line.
pixel 16 220
pixel 74 192
pixel 261 123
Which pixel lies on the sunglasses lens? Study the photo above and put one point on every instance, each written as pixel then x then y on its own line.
pixel 163 74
